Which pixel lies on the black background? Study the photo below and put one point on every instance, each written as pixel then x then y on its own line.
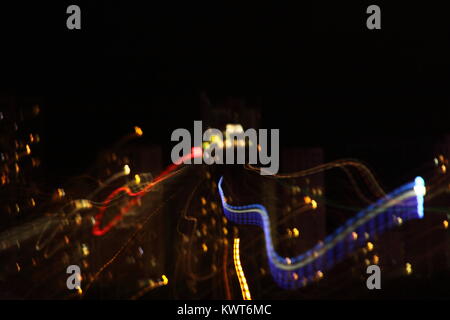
pixel 314 68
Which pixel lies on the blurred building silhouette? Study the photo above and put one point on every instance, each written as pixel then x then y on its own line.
pixel 21 126
pixel 302 199
pixel 229 110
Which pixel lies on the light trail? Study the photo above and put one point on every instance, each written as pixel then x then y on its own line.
pixel 98 230
pixel 405 203
pixel 150 286
pixel 240 272
pixel 342 164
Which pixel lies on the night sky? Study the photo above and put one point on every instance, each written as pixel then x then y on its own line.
pixel 315 71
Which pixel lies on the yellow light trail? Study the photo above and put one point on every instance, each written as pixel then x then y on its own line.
pixel 240 272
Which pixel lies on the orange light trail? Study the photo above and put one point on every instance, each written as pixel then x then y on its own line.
pixel 240 272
